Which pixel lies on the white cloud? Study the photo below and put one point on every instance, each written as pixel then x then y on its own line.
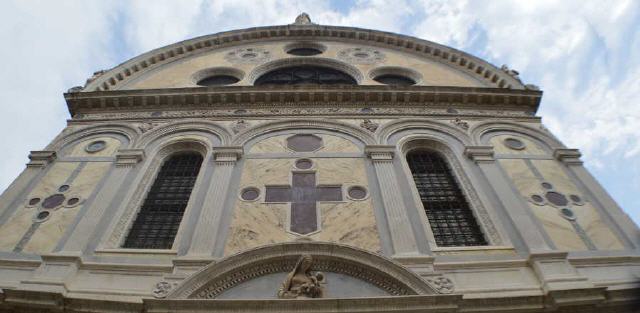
pixel 585 56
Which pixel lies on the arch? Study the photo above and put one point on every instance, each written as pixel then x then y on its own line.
pixel 309 61
pixel 184 126
pixel 479 131
pixel 377 270
pixel 242 138
pixel 467 63
pixel 130 133
pixel 386 131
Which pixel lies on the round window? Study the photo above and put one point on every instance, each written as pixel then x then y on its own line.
pixel 250 194
pixel 304 51
pixel 556 198
pixel 537 199
pixel 218 80
pixel 393 79
pixel 357 193
pixel 73 201
pixel 34 201
pixel 42 216
pixel 547 186
pixel 304 164
pixel 53 202
pixel 63 188
pixel 568 213
pixel 514 143
pixel 96 146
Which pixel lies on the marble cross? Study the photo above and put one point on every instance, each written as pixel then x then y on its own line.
pixel 303 194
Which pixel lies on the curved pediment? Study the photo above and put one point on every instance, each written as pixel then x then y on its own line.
pixel 346 272
pixel 443 66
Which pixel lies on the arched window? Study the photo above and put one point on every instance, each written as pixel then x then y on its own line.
pixel 306 74
pixel 159 217
pixel 450 217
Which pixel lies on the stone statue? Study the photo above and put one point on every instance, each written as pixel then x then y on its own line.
pixel 300 282
pixel 303 19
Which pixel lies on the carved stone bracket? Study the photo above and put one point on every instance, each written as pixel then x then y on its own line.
pixel 41 158
pixel 227 155
pixel 380 153
pixel 480 154
pixel 568 156
pixel 129 157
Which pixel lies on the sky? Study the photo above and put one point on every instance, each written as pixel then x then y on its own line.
pixel 585 56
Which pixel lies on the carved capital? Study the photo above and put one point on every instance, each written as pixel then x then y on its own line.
pixel 41 158
pixel 227 155
pixel 129 157
pixel 380 152
pixel 568 156
pixel 479 154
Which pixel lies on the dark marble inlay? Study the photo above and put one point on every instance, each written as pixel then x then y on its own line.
pixel 303 195
pixel 53 201
pixel 304 143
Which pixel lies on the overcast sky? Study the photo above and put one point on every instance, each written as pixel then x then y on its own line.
pixel 585 55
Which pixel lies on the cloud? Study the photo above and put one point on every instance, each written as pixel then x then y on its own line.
pixel 585 56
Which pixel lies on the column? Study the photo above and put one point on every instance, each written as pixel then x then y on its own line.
pixel 205 235
pixel 402 237
pixel 516 210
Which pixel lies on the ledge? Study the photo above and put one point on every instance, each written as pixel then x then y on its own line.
pixel 299 97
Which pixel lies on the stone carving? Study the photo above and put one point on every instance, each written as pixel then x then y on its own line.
pixel 303 19
pixel 369 125
pixel 531 87
pixel 301 283
pixel 95 76
pixel 361 55
pixel 162 289
pixel 75 89
pixel 441 284
pixel 239 126
pixel 145 127
pixel 511 72
pixel 460 123
pixel 248 55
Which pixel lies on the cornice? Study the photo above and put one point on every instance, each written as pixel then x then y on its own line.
pixel 300 96
pixel 473 66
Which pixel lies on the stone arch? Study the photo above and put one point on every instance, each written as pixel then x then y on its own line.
pixel 234 270
pixel 157 156
pixel 479 132
pixel 386 131
pixel 128 132
pixel 287 62
pixel 184 126
pixel 467 63
pixel 242 138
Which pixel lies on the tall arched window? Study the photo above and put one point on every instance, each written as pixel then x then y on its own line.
pixel 305 74
pixel 159 217
pixel 450 217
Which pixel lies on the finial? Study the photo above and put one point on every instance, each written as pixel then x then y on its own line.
pixel 303 19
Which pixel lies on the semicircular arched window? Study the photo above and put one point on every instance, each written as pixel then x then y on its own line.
pixel 305 74
pixel 448 211
pixel 157 222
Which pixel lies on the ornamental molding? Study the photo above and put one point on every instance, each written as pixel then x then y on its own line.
pixel 70 136
pixel 386 274
pixel 41 158
pixel 480 131
pixel 227 155
pixel 471 65
pixel 159 100
pixel 568 156
pixel 440 127
pixel 129 157
pixel 186 125
pixel 480 154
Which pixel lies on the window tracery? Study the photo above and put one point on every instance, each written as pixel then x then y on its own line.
pixel 305 74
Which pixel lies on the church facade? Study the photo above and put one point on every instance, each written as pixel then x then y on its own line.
pixel 311 168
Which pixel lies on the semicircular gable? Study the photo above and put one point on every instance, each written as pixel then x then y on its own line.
pixel 126 131
pixel 385 133
pixel 388 275
pixel 185 125
pixel 464 62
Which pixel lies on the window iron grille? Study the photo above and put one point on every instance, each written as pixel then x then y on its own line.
pixel 447 209
pixel 157 222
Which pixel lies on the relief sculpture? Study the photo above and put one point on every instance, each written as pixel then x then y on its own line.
pixel 301 282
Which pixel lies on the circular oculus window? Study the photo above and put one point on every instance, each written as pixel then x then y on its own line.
pixel 96 146
pixel 304 164
pixel 515 144
pixel 218 80
pixel 250 194
pixel 357 193
pixel 42 216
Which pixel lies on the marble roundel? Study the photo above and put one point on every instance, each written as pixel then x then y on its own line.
pixel 361 55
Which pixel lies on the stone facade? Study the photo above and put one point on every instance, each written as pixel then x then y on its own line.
pixel 556 241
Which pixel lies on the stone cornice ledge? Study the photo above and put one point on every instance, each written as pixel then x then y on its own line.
pixel 129 157
pixel 380 152
pixel 480 154
pixel 41 158
pixel 261 96
pixel 568 156
pixel 227 154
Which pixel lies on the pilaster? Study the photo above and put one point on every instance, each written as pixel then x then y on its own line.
pixel 204 238
pixel 402 237
pixel 516 210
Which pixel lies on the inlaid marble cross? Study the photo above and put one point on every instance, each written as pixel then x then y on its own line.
pixel 303 194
